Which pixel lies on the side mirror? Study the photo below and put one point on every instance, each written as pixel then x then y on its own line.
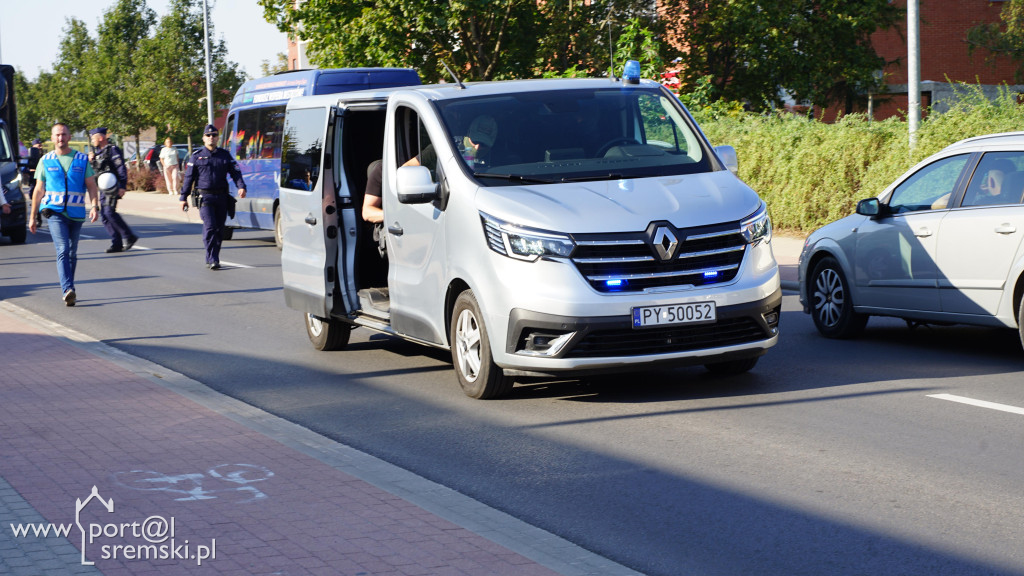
pixel 869 207
pixel 728 156
pixel 415 185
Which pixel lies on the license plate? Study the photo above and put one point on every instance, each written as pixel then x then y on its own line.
pixel 671 314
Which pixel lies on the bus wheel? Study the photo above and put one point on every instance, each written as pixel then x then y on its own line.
pixel 278 238
pixel 327 334
pixel 478 375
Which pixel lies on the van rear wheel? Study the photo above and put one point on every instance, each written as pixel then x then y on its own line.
pixel 327 334
pixel 478 375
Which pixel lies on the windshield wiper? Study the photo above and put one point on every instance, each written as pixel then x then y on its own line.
pixel 514 178
pixel 592 178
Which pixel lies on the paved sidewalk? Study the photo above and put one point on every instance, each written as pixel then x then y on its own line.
pixel 174 478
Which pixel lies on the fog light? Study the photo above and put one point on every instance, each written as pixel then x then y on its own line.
pixel 545 343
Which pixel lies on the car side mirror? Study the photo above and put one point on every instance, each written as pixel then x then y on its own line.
pixel 727 154
pixel 415 185
pixel 870 207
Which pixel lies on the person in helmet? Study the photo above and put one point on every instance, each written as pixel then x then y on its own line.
pixel 106 158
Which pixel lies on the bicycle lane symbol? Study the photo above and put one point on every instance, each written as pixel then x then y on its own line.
pixel 224 480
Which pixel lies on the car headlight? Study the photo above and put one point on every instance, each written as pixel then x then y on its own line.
pixel 757 228
pixel 524 243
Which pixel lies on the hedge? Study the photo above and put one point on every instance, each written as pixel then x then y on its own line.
pixel 811 173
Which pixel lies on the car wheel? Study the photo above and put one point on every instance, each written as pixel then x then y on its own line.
pixel 478 375
pixel 1020 321
pixel 327 334
pixel 278 237
pixel 831 303
pixel 733 366
pixel 226 233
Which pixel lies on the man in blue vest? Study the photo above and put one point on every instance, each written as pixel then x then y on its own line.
pixel 64 179
pixel 207 174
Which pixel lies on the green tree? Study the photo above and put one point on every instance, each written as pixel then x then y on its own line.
pixel 819 51
pixel 1005 38
pixel 172 73
pixel 114 77
pixel 280 65
pixel 66 98
pixel 478 39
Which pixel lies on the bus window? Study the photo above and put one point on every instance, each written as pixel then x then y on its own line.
pixel 258 135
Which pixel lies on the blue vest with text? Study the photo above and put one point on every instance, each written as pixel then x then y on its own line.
pixel 65 191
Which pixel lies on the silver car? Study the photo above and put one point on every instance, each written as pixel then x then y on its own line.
pixel 942 244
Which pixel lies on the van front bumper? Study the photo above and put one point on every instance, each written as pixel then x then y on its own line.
pixel 541 344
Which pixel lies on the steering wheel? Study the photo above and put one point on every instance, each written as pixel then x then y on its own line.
pixel 619 141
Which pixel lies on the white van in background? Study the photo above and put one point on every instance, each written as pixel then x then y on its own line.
pixel 591 228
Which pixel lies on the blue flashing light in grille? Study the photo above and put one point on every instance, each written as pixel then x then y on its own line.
pixel 711 274
pixel 615 284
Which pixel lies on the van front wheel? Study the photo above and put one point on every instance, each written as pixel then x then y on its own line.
pixel 327 334
pixel 478 375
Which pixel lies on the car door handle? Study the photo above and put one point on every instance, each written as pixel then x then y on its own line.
pixel 1005 229
pixel 395 229
pixel 311 220
pixel 922 232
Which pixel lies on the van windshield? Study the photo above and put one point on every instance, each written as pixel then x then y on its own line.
pixel 573 135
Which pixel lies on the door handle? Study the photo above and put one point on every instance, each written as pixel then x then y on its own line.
pixel 1005 228
pixel 311 220
pixel 395 229
pixel 922 232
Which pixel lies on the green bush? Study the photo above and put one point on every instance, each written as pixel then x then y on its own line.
pixel 144 180
pixel 811 173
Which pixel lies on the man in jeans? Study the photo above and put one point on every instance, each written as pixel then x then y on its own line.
pixel 64 179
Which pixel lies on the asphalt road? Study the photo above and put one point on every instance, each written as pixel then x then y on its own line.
pixel 829 458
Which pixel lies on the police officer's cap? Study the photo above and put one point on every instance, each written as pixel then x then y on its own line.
pixel 36 141
pixel 98 131
pixel 210 129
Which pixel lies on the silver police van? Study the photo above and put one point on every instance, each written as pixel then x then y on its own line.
pixel 531 227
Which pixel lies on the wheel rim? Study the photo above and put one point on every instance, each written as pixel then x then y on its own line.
pixel 316 327
pixel 829 297
pixel 277 228
pixel 467 345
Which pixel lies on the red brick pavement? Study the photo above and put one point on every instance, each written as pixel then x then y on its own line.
pixel 71 420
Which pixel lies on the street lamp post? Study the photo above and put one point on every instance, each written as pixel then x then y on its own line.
pixel 913 70
pixel 206 49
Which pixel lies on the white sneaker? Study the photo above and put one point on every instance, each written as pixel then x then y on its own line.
pixel 69 298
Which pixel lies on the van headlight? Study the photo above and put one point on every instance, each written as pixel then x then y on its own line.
pixel 524 243
pixel 757 228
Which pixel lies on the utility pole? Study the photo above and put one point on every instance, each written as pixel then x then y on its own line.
pixel 913 70
pixel 206 49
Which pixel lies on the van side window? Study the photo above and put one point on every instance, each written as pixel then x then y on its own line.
pixel 258 135
pixel 413 141
pixel 301 148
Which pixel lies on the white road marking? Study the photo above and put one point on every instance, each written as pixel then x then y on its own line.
pixel 979 403
pixel 224 264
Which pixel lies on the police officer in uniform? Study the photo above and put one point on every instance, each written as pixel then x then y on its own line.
pixel 206 175
pixel 106 157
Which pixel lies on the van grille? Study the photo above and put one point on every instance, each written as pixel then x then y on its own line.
pixel 629 262
pixel 630 342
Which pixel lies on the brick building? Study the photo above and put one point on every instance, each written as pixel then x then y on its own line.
pixel 945 59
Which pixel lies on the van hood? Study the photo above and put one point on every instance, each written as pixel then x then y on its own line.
pixel 685 200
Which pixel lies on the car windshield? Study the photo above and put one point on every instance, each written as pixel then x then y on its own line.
pixel 574 135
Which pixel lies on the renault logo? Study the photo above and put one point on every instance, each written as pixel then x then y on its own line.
pixel 665 243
